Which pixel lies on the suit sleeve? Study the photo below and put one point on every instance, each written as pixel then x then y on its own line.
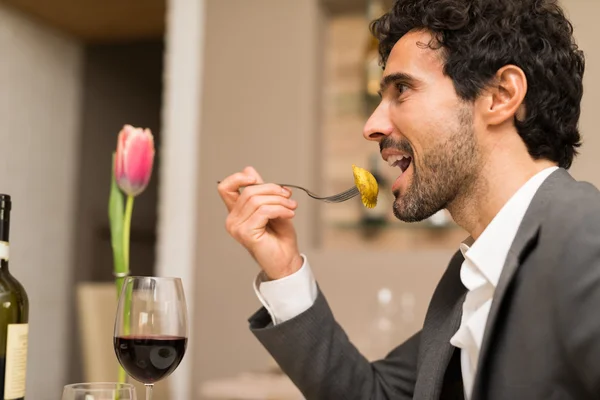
pixel 314 351
pixel 578 302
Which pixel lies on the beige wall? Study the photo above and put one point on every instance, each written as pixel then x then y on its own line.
pixel 583 14
pixel 260 108
pixel 40 77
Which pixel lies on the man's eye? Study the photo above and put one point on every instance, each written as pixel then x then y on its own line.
pixel 401 88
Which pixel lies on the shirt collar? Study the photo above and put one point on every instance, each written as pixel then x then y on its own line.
pixel 488 253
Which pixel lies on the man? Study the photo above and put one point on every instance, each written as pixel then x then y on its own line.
pixel 479 111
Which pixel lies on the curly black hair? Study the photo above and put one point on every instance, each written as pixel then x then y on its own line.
pixel 478 37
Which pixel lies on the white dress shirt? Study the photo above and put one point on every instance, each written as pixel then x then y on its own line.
pixel 286 298
pixel 480 272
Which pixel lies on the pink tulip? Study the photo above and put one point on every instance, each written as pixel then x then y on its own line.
pixel 134 159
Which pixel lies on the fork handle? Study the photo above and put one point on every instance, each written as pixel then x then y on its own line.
pixel 280 184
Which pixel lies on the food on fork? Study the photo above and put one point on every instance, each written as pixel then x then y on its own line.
pixel 367 186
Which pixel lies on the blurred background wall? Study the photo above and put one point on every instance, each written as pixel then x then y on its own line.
pixel 276 84
pixel 40 112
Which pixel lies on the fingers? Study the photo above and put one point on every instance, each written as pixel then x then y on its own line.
pixel 254 199
pixel 255 202
pixel 229 188
pixel 265 189
pixel 252 173
pixel 260 219
pixel 251 208
pixel 253 229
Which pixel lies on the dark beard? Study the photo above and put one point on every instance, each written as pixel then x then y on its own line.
pixel 446 170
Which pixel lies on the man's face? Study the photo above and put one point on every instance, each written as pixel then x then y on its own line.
pixel 424 130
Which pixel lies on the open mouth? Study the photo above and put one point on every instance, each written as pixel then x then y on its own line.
pixel 403 162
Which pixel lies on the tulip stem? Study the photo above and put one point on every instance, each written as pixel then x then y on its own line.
pixel 126 231
pixel 127 300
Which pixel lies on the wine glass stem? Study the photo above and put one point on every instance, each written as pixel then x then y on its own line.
pixel 149 388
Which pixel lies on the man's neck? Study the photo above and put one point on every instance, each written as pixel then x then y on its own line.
pixel 501 177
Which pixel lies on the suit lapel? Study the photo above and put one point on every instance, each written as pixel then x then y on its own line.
pixel 524 242
pixel 441 323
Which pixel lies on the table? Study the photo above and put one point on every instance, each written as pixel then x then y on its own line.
pixel 252 386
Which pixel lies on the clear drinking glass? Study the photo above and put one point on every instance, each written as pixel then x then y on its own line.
pixel 151 328
pixel 99 391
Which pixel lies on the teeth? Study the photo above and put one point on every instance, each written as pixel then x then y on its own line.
pixel 393 160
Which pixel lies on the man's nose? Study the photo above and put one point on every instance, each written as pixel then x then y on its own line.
pixel 379 125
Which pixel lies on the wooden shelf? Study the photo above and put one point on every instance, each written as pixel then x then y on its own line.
pixel 102 21
pixel 99 21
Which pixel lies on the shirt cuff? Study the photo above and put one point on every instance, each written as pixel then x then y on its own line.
pixel 288 297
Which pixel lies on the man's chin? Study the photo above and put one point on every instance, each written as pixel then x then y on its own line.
pixel 410 212
pixel 409 218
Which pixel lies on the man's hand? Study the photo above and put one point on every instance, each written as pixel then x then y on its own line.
pixel 260 218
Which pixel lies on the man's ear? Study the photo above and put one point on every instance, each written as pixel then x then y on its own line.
pixel 504 98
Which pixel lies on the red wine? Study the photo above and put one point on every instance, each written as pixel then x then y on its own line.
pixel 149 359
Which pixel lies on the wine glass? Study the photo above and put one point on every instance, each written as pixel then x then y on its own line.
pixel 151 328
pixel 99 391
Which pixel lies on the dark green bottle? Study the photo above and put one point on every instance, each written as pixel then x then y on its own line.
pixel 14 317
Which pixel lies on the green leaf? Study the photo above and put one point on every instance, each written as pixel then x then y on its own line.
pixel 116 213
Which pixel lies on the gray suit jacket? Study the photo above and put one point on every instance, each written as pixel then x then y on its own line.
pixel 542 338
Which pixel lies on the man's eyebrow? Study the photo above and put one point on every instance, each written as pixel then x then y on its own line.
pixel 393 78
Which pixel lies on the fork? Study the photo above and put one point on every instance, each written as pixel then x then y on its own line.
pixel 336 198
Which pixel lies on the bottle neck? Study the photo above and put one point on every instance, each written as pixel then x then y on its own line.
pixel 5 207
pixel 4 256
pixel 4 224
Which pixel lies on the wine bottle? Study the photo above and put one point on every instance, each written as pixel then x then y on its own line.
pixel 14 314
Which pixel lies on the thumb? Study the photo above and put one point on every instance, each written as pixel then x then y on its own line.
pixel 250 171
